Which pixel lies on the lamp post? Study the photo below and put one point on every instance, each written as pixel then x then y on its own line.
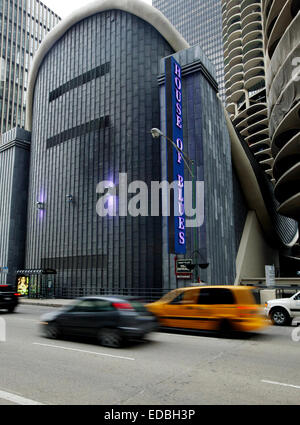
pixel 156 133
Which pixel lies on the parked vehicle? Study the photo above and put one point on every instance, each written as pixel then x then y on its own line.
pixel 110 319
pixel 9 298
pixel 283 310
pixel 222 308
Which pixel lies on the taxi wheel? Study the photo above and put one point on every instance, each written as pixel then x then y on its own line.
pixel 110 337
pixel 280 317
pixel 225 328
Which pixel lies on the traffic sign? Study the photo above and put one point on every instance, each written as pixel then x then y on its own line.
pixel 184 268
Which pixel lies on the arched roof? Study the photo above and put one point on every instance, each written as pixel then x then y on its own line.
pixel 136 7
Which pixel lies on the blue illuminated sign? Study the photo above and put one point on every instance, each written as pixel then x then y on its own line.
pixel 178 163
pixel 175 160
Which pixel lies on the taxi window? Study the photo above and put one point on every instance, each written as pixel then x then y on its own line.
pixel 171 295
pixel 215 296
pixel 191 296
pixel 245 296
pixel 178 299
pixel 186 297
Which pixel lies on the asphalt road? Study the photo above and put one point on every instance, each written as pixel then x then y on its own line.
pixel 169 368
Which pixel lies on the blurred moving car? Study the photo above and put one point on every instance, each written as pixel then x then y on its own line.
pixel 111 319
pixel 222 308
pixel 9 298
pixel 283 310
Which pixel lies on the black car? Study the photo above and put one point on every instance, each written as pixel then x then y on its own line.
pixel 9 299
pixel 110 319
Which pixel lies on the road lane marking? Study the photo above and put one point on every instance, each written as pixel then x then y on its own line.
pixel 280 383
pixel 180 335
pixel 18 399
pixel 83 351
pixel 207 335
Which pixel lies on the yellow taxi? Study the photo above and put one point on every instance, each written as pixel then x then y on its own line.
pixel 210 307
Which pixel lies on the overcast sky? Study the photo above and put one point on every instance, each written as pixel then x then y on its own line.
pixel 64 7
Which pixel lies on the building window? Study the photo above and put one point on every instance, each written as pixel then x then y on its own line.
pixel 94 73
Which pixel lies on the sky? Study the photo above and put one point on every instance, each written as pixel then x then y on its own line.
pixel 64 7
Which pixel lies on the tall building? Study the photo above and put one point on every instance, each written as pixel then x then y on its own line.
pixel 101 80
pixel 200 22
pixel 23 25
pixel 282 49
pixel 245 76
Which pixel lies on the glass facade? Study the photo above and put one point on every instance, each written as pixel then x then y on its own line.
pixel 199 22
pixel 23 25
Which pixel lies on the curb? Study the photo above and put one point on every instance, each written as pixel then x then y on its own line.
pixel 48 304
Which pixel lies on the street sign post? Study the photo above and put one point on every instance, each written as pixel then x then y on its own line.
pixel 270 275
pixel 184 268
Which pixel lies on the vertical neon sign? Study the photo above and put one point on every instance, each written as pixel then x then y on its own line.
pixel 177 234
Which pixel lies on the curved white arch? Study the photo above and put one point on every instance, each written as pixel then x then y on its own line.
pixel 136 7
pixel 250 185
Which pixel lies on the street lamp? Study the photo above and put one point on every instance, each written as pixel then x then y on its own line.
pixel 201 264
pixel 156 133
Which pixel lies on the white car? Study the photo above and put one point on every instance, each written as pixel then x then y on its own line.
pixel 282 311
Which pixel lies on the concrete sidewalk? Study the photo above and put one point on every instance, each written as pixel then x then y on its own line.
pixel 46 302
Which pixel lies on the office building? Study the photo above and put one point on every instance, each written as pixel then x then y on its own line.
pixel 23 25
pixel 199 22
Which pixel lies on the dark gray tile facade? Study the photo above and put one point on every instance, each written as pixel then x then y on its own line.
pixel 14 171
pixel 97 125
pixel 91 253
